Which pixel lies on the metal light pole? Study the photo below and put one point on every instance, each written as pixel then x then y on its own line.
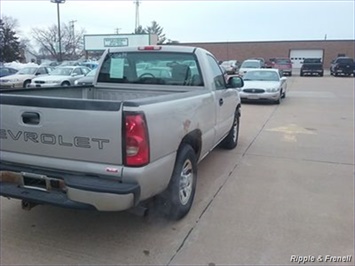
pixel 59 38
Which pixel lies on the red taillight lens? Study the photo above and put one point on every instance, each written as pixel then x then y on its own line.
pixel 136 140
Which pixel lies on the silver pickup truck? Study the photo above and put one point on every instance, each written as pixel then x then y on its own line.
pixel 152 114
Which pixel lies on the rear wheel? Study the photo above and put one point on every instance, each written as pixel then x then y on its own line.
pixel 321 74
pixel 180 193
pixel 231 140
pixel 301 74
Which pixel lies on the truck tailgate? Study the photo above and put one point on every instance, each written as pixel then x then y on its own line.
pixel 73 132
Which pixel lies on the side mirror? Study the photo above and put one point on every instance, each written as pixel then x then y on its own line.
pixel 235 82
pixel 283 78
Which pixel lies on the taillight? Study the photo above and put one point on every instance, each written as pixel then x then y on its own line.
pixel 136 150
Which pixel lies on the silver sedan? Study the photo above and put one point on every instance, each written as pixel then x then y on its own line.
pixel 264 84
pixel 61 76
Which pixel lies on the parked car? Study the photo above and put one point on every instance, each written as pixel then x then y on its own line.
pixel 342 66
pixel 61 76
pixel 269 63
pixel 6 71
pixel 264 84
pixel 49 63
pixel 88 79
pixel 231 66
pixel 23 77
pixel 69 63
pixel 262 60
pixel 248 65
pixel 283 64
pixel 311 66
pixel 91 65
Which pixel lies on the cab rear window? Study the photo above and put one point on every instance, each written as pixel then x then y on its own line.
pixel 160 68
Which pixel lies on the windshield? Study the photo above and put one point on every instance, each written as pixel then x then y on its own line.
pixel 251 64
pixel 59 71
pixel 345 61
pixel 28 71
pixel 283 61
pixel 226 63
pixel 167 68
pixel 262 76
pixel 91 73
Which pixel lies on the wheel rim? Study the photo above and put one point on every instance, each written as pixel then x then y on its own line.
pixel 186 179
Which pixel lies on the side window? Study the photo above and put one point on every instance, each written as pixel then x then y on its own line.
pixel 218 77
pixel 4 71
pixel 77 71
pixel 41 71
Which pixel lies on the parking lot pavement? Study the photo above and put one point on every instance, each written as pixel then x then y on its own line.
pixel 293 192
pixel 287 189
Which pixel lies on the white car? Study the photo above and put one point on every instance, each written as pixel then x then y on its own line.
pixel 23 77
pixel 61 76
pixel 248 65
pixel 263 84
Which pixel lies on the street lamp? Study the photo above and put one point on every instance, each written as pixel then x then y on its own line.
pixel 59 38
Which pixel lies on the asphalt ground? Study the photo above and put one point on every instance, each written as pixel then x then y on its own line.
pixel 283 196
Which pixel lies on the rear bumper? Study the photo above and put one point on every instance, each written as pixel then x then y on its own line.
pixel 344 71
pixel 311 71
pixel 66 189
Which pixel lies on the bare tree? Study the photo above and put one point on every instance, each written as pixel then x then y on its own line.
pixel 71 41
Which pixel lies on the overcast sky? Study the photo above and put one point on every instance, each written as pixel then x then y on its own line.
pixel 196 21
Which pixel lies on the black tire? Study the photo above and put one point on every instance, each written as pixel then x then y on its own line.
pixel 301 73
pixel 290 74
pixel 26 83
pixel 283 95
pixel 178 199
pixel 321 74
pixel 65 84
pixel 278 101
pixel 231 140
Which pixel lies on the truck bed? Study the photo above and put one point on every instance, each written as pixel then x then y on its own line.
pixel 90 93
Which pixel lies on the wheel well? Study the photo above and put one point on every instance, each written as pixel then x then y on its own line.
pixel 193 139
pixel 238 108
pixel 66 81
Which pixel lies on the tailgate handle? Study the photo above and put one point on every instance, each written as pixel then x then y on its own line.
pixel 30 118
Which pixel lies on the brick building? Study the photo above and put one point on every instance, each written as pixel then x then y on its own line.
pixel 327 50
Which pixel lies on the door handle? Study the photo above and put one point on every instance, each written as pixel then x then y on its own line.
pixel 31 118
pixel 221 101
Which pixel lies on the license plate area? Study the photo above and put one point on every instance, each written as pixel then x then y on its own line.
pixel 41 182
pixel 34 181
